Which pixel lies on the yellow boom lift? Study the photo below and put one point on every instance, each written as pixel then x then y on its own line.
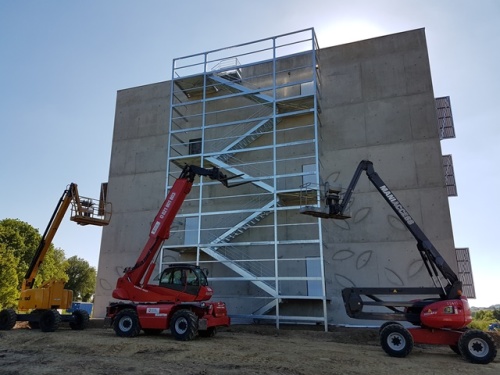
pixel 39 306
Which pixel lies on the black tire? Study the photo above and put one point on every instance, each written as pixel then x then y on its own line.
pixel 210 332
pixel 184 325
pixel 8 319
pixel 126 323
pixel 35 315
pixel 386 324
pixel 477 347
pixel 152 331
pixel 50 320
pixel 396 340
pixel 80 321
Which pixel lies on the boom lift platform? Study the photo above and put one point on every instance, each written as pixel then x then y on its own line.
pixel 39 306
pixel 441 320
pixel 179 301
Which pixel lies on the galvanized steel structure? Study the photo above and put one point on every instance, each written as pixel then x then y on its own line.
pixel 252 111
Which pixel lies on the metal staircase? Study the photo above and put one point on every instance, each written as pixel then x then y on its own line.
pixel 257 120
pixel 263 127
pixel 253 94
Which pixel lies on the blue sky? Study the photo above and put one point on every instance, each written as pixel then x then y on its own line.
pixel 62 62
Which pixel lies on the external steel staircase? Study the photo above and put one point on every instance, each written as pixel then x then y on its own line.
pixel 235 87
pixel 220 249
pixel 226 114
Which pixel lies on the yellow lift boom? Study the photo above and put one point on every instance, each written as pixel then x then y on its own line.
pixel 39 306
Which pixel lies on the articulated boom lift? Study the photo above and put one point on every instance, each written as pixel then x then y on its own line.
pixel 440 320
pixel 39 306
pixel 178 301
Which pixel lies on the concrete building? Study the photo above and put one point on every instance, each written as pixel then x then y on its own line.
pixel 295 120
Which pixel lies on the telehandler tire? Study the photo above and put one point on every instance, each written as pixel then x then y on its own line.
pixel 126 323
pixel 184 325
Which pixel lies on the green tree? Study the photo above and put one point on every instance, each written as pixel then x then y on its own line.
pixel 484 315
pixel 54 266
pixel 82 279
pixel 8 278
pixel 22 240
pixel 496 313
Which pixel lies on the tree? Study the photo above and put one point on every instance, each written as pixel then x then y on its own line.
pixel 496 313
pixel 21 240
pixel 8 278
pixel 81 279
pixel 484 315
pixel 54 266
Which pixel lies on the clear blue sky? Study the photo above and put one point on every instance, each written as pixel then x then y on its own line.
pixel 61 63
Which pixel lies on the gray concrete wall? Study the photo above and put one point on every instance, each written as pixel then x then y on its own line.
pixel 378 104
pixel 136 184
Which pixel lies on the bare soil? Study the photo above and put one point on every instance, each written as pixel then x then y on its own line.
pixel 239 349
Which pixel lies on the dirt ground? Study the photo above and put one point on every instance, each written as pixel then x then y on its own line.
pixel 241 349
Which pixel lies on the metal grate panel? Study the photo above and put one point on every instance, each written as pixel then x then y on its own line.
pixel 449 176
pixel 445 118
pixel 465 272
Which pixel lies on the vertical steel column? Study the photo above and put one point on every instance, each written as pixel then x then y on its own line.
pixel 275 195
pixel 202 156
pixel 316 149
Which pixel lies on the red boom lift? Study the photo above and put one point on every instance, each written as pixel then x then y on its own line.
pixel 178 302
pixel 441 320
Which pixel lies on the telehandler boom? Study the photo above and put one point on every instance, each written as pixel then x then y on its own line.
pixel 178 302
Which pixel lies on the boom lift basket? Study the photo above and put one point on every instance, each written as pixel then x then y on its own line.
pixel 331 194
pixel 91 211
pixel 86 211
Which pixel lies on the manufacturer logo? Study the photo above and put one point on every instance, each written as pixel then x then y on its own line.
pixel 155 227
pixel 398 206
pixel 429 312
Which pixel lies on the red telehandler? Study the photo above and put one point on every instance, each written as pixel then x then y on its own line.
pixel 178 301
pixel 441 320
